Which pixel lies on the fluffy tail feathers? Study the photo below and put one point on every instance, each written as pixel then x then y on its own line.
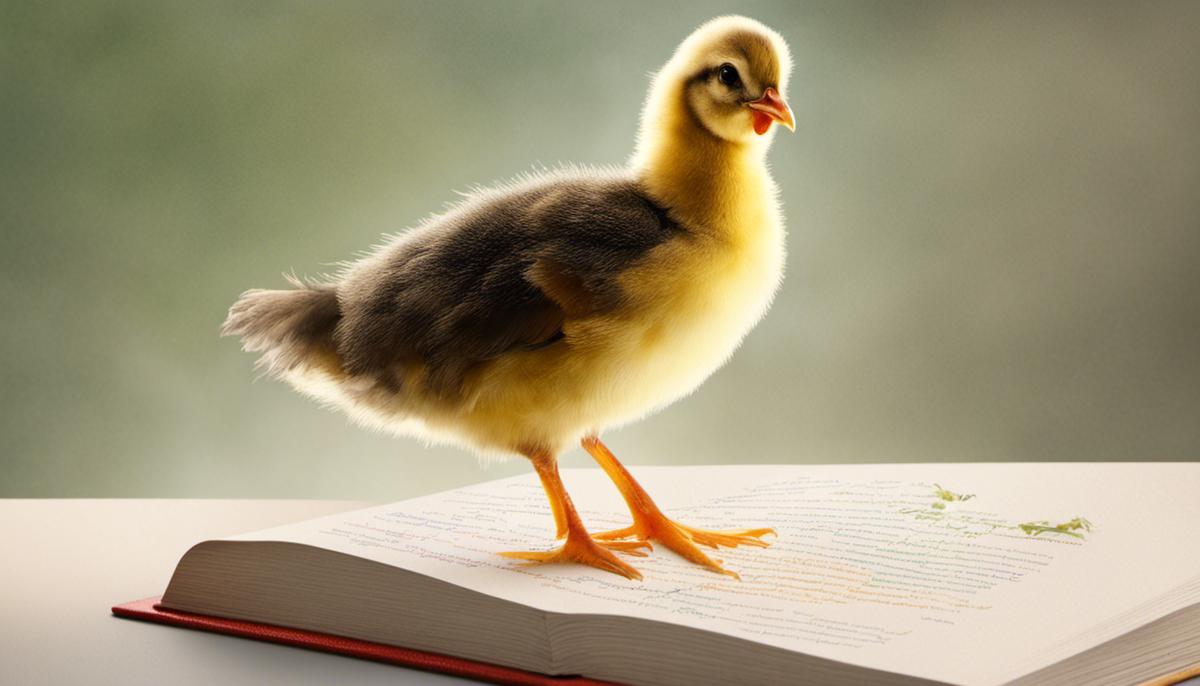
pixel 291 328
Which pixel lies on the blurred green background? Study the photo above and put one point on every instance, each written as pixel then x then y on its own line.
pixel 994 217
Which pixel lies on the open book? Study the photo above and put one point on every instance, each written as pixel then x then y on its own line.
pixel 978 574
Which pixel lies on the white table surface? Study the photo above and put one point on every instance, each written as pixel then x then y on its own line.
pixel 66 562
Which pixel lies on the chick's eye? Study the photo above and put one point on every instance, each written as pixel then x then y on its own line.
pixel 729 75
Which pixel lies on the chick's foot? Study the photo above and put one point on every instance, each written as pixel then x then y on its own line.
pixel 581 549
pixel 684 540
pixel 650 524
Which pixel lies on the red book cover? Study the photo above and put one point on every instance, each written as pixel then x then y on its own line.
pixel 149 610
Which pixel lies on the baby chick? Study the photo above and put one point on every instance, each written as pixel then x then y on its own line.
pixel 537 313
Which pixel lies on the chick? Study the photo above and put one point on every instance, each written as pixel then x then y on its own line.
pixel 537 313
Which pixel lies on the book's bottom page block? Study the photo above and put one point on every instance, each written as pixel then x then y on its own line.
pixel 148 609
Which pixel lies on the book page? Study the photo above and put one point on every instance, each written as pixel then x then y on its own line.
pixel 969 574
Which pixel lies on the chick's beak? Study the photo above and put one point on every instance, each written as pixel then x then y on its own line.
pixel 771 107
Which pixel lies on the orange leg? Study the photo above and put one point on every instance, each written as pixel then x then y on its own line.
pixel 649 523
pixel 579 547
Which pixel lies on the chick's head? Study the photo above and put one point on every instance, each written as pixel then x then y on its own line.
pixel 733 72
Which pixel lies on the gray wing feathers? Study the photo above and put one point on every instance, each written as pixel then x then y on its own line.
pixel 500 272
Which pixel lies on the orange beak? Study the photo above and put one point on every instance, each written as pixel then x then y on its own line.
pixel 771 107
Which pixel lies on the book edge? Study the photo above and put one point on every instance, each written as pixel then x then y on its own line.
pixel 149 610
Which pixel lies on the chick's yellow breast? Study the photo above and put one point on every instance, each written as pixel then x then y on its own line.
pixel 691 301
pixel 698 297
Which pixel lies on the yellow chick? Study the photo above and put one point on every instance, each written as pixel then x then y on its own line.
pixel 535 314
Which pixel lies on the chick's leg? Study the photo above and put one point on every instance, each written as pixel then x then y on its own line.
pixel 579 547
pixel 649 523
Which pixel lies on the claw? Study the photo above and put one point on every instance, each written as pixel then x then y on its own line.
pixel 630 547
pixel 617 533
